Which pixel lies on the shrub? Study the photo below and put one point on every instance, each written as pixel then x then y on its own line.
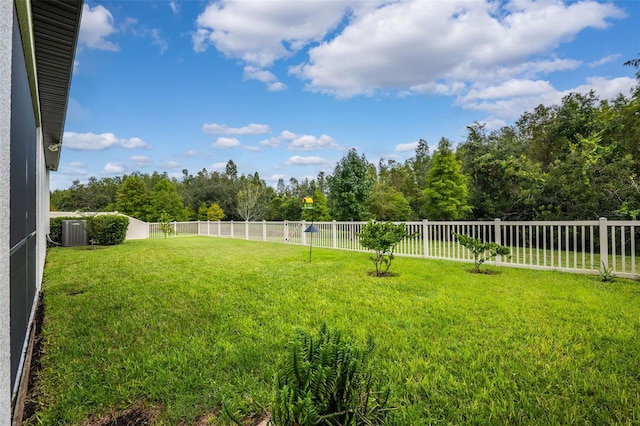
pixel 382 238
pixel 103 229
pixel 108 230
pixel 329 380
pixel 481 251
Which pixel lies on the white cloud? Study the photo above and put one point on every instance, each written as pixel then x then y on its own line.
pixel 251 148
pixel 140 160
pixel 89 141
pixel 223 129
pixel 297 160
pixel 218 166
pixel 288 135
pixel 262 32
pixel 113 168
pixel 93 142
pixel 133 143
pixel 508 89
pixel 158 40
pixel 190 153
pixel 271 142
pixel 77 165
pixel 264 76
pixel 275 178
pixel 309 143
pixel 414 43
pixel 492 56
pixel 510 99
pixel 276 86
pixel 222 143
pixel 96 25
pixel 172 165
pixel 402 147
pixel 301 142
pixel 605 88
pixel 175 8
pixel 605 60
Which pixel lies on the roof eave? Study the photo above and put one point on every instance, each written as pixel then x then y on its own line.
pixel 56 25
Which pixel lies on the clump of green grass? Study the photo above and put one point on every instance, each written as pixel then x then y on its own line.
pixel 185 324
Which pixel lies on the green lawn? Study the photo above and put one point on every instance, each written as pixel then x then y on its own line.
pixel 183 324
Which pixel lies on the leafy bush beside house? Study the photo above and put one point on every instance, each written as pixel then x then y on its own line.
pixel 106 230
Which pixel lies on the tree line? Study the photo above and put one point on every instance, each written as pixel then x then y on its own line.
pixel 576 160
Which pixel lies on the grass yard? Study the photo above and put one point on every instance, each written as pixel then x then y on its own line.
pixel 180 325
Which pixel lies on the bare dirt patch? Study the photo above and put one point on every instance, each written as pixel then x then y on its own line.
pixel 382 274
pixel 138 415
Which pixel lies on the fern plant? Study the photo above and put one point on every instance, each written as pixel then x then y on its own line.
pixel 327 380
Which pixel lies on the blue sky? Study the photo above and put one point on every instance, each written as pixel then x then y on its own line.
pixel 286 87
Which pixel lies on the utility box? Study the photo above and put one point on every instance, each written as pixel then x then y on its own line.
pixel 74 233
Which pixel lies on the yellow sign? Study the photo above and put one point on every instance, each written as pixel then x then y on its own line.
pixel 307 203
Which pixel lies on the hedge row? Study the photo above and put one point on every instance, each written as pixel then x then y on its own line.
pixel 106 230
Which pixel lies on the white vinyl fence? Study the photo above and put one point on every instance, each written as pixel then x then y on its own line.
pixel 589 246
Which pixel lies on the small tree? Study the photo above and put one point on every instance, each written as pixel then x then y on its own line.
pixel 215 212
pixel 202 211
pixel 251 202
pixel 382 238
pixel 481 251
pixel 165 225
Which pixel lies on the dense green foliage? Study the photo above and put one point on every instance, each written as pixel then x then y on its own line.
pixel 445 197
pixel 481 251
pixel 579 159
pixel 214 212
pixel 350 188
pixel 382 238
pixel 327 379
pixel 106 230
pixel 173 327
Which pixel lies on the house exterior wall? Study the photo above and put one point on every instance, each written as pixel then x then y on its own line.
pixel 24 193
pixel 23 215
pixel 7 31
pixel 42 210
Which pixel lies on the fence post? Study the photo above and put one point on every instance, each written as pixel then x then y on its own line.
pixel 303 235
pixel 604 243
pixel 334 234
pixel 219 230
pixel 264 230
pixel 231 232
pixel 286 231
pixel 497 237
pixel 246 229
pixel 208 228
pixel 425 237
pixel 175 228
